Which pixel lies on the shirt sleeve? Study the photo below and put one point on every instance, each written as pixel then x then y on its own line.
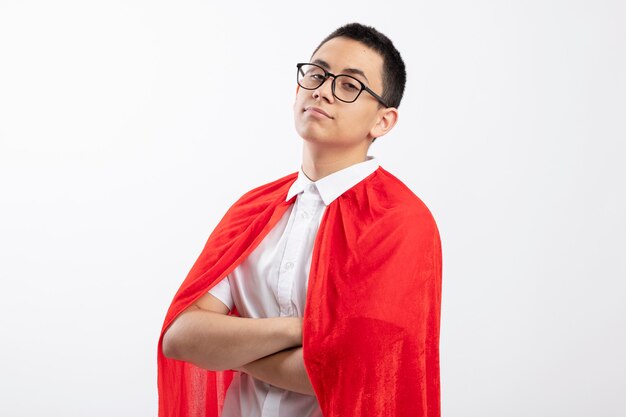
pixel 222 292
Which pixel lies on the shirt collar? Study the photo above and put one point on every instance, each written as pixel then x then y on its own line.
pixel 332 186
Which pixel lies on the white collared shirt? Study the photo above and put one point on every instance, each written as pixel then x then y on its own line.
pixel 272 282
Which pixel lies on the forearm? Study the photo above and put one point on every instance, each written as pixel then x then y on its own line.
pixel 216 341
pixel 283 369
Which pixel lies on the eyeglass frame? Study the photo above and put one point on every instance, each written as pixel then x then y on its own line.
pixel 329 74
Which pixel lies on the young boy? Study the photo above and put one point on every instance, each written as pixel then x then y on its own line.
pixel 318 293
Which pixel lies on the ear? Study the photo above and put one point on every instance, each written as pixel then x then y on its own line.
pixel 386 120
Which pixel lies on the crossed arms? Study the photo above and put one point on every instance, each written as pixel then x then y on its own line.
pixel 269 349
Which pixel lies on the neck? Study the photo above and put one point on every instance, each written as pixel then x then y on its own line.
pixel 318 161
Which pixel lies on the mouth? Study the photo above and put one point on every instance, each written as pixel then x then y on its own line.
pixel 317 111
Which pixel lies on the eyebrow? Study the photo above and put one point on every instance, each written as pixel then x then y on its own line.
pixel 357 71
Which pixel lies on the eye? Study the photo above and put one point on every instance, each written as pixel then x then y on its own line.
pixel 349 84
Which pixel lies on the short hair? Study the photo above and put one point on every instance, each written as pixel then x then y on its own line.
pixel 393 71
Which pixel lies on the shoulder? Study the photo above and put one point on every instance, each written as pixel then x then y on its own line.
pixel 407 218
pixel 267 192
pixel 259 201
pixel 403 205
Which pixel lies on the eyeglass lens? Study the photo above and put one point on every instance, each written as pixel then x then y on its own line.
pixel 312 76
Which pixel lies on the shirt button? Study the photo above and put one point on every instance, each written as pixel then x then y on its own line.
pixel 289 265
pixel 305 215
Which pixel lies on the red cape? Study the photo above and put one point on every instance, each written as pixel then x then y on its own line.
pixel 371 320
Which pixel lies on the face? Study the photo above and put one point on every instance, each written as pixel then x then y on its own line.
pixel 321 118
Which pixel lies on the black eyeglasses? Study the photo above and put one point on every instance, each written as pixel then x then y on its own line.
pixel 344 87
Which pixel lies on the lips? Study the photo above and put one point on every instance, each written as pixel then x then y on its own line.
pixel 318 110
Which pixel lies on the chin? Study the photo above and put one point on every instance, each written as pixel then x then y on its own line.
pixel 312 135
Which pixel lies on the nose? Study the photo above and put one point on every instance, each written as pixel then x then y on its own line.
pixel 325 90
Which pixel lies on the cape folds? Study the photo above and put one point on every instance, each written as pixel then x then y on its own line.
pixel 372 315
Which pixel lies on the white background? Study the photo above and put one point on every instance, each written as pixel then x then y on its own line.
pixel 127 128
